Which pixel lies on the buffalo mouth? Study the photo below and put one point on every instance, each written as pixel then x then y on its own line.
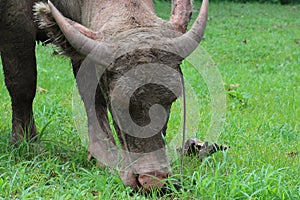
pixel 145 182
pixel 159 180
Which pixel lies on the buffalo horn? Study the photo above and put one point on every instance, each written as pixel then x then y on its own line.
pixel 80 42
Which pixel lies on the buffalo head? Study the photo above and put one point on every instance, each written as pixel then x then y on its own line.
pixel 137 57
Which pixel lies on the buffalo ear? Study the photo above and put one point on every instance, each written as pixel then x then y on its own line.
pixel 85 31
pixel 189 41
pixel 45 21
pixel 181 14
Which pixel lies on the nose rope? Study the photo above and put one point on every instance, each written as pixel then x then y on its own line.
pixel 184 123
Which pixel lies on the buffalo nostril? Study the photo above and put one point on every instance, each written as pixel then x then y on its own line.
pixel 152 180
pixel 129 179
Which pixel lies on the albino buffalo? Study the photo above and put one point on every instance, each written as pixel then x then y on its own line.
pixel 124 58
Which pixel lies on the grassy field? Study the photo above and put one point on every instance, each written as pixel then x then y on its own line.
pixel 255 47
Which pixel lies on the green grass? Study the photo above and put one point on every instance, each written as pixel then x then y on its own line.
pixel 254 45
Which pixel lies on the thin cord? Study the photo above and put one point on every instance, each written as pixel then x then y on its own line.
pixel 184 123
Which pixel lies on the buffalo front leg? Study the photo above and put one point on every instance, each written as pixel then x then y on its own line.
pixel 100 135
pixel 19 65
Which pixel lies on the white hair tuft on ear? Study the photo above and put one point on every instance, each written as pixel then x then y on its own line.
pixel 42 15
